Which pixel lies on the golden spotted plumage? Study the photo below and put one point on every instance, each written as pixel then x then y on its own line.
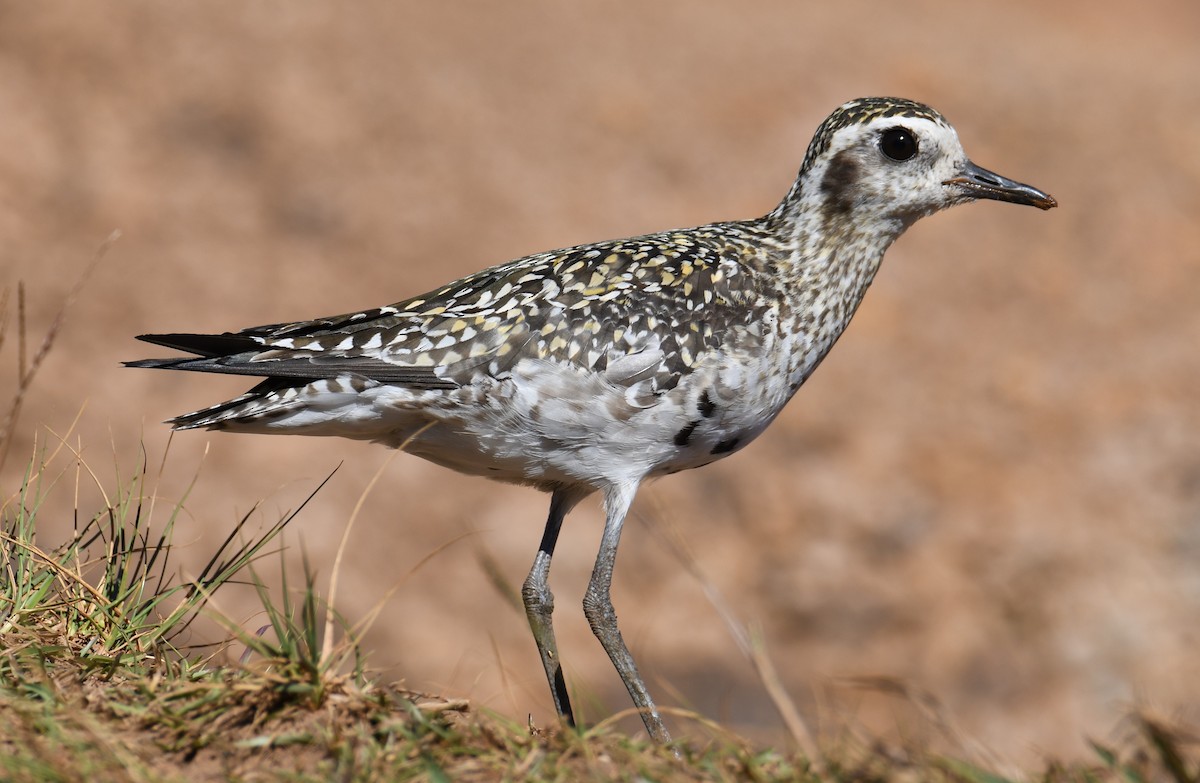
pixel 593 368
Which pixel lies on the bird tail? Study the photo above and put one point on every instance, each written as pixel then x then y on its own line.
pixel 268 396
pixel 274 396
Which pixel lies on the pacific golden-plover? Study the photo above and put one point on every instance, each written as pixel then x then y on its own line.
pixel 594 368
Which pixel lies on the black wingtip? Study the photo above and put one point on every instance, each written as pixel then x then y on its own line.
pixel 207 345
pixel 157 364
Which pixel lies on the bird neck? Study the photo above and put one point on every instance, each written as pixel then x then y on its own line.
pixel 835 246
pixel 829 257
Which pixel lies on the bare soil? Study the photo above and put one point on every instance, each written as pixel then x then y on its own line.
pixel 989 494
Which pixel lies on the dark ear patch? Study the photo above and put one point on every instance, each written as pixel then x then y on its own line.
pixel 838 183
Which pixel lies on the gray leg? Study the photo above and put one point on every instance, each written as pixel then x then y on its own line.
pixel 539 601
pixel 597 605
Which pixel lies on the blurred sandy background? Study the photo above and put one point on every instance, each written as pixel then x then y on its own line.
pixel 990 491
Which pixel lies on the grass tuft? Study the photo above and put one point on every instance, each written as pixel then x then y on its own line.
pixel 94 686
pixel 107 593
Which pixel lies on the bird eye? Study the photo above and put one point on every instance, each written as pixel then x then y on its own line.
pixel 898 143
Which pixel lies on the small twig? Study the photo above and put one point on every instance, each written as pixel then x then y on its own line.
pixel 772 683
pixel 4 314
pixel 933 711
pixel 362 626
pixel 505 685
pixel 716 728
pixel 496 576
pixel 327 645
pixel 40 465
pixel 749 641
pixel 22 343
pixel 27 369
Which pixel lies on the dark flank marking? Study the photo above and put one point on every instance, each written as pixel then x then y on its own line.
pixel 725 446
pixel 684 435
pixel 838 184
pixel 707 406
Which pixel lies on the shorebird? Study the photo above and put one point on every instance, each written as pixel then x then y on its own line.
pixel 597 367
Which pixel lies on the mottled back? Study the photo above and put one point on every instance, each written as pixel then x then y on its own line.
pixel 669 298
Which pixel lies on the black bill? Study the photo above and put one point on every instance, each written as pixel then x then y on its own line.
pixel 981 183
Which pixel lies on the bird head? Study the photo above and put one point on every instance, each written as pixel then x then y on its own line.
pixel 894 161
